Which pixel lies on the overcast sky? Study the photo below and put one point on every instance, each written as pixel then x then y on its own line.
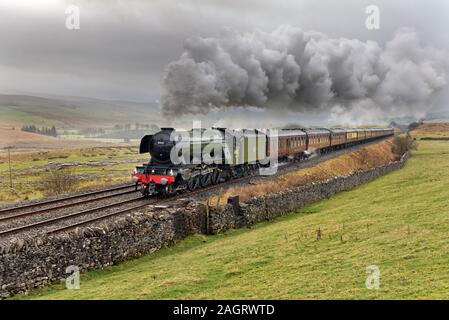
pixel 123 46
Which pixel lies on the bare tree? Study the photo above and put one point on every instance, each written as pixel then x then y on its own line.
pixel 59 181
pixel 401 144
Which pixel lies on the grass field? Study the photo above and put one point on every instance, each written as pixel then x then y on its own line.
pixel 398 222
pixel 73 112
pixel 94 167
pixel 13 116
pixel 438 129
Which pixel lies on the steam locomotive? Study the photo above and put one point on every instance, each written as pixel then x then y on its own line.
pixel 198 158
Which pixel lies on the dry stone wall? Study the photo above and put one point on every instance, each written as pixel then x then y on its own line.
pixel 273 205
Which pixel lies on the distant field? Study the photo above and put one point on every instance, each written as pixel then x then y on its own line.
pixel 432 130
pixel 44 116
pixel 13 116
pixel 93 167
pixel 398 222
pixel 20 138
pixel 75 118
pixel 73 112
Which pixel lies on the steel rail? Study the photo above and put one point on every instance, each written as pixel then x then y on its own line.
pixel 71 204
pixel 33 205
pixel 65 217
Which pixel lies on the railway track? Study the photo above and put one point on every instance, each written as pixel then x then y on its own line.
pixel 92 215
pixel 4 213
pixel 140 203
pixel 147 203
pixel 62 218
pixel 62 206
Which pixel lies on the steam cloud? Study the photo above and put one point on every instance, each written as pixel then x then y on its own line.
pixel 305 71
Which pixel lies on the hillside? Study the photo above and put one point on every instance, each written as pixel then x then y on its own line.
pixel 73 112
pixel 432 129
pixel 23 139
pixel 398 222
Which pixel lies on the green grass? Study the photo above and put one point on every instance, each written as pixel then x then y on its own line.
pixel 29 168
pixel 17 116
pixel 399 222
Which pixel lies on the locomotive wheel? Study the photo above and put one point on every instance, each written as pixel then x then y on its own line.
pixel 205 180
pixel 216 175
pixel 226 175
pixel 253 169
pixel 148 189
pixel 193 183
pixel 144 190
pixel 168 190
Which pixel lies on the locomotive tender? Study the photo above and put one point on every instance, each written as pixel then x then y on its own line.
pixel 198 158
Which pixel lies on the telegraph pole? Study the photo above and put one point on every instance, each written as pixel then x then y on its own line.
pixel 9 162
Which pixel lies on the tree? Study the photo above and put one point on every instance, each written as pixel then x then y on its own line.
pixel 401 144
pixel 44 130
pixel 53 132
pixel 60 181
